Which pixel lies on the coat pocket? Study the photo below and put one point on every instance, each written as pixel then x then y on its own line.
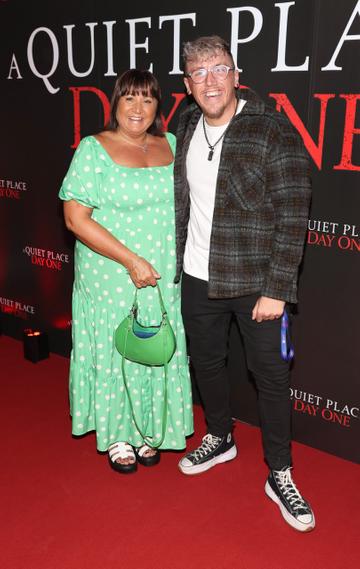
pixel 246 188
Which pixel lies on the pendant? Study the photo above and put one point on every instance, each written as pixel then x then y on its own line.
pixel 211 153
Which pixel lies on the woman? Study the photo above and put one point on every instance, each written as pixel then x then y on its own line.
pixel 119 203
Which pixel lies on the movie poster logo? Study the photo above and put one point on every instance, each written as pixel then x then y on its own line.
pixel 16 308
pixel 12 189
pixel 46 258
pixel 326 409
pixel 333 235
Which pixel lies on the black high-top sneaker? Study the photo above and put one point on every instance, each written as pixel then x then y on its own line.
pixel 281 488
pixel 213 450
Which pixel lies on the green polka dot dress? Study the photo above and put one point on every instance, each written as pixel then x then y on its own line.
pixel 137 206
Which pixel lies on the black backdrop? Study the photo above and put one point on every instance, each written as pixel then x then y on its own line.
pixel 58 63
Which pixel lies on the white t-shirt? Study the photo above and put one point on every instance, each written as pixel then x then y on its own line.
pixel 202 177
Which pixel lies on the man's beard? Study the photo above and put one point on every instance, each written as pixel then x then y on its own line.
pixel 215 114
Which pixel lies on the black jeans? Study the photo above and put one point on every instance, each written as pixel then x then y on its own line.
pixel 207 324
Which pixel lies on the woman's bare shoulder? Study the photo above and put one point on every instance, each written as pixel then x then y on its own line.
pixel 104 135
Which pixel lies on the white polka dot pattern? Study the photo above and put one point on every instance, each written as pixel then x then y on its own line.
pixel 137 206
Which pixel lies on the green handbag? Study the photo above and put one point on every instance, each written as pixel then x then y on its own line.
pixel 146 345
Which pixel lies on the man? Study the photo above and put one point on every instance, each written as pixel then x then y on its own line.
pixel 242 194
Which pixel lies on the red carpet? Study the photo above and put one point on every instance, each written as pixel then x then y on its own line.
pixel 64 508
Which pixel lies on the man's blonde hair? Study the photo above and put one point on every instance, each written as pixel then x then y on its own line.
pixel 204 48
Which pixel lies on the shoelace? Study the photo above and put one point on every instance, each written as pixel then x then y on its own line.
pixel 289 490
pixel 208 444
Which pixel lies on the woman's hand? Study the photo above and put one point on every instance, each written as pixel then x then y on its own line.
pixel 142 273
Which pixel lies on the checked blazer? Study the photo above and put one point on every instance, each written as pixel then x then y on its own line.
pixel 261 203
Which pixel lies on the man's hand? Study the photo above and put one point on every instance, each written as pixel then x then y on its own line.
pixel 267 309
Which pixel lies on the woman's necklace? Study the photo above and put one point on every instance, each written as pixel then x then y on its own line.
pixel 212 146
pixel 144 147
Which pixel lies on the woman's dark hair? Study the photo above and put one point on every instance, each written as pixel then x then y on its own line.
pixel 133 82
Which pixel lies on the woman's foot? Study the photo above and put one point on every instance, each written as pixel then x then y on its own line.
pixel 122 457
pixel 147 456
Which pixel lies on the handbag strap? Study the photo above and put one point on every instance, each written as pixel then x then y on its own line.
pixel 147 439
pixel 161 302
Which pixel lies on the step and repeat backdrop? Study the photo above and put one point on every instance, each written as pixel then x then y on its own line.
pixel 58 64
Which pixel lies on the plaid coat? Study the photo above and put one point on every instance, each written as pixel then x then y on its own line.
pixel 261 203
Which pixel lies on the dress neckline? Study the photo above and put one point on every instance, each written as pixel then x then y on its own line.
pixel 133 167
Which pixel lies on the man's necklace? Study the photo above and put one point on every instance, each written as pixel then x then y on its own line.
pixel 144 147
pixel 212 146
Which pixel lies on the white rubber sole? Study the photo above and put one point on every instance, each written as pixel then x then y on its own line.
pixel 293 522
pixel 224 457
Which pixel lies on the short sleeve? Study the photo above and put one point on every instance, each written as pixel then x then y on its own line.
pixel 81 182
pixel 172 141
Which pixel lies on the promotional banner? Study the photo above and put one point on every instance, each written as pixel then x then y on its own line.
pixel 58 65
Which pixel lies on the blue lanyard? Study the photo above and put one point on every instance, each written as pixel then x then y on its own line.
pixel 286 347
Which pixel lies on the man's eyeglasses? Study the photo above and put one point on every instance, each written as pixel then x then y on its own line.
pixel 218 72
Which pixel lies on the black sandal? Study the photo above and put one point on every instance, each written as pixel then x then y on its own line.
pixel 122 450
pixel 147 460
